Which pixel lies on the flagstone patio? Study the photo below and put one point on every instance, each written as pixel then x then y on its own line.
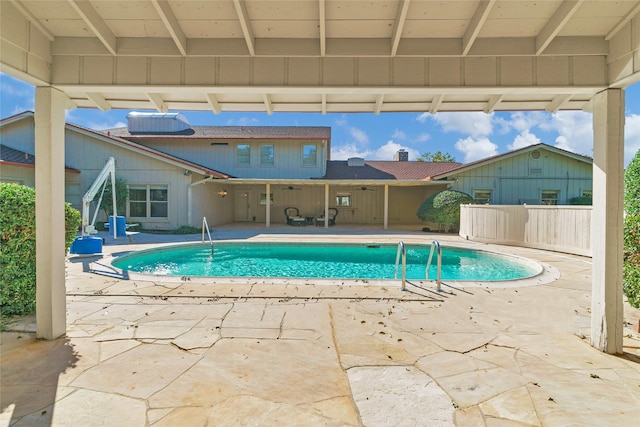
pixel 261 352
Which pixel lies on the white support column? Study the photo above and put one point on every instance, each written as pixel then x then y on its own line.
pixel 326 206
pixel 268 206
pixel 607 221
pixel 49 120
pixel 386 206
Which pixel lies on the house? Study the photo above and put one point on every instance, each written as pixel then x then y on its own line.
pixel 178 173
pixel 537 175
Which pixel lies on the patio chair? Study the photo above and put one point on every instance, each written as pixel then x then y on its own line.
pixel 293 216
pixel 333 213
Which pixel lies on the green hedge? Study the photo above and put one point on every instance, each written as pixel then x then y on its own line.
pixel 631 272
pixel 18 247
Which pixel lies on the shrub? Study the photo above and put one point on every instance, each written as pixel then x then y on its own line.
pixel 443 208
pixel 582 200
pixel 632 186
pixel 631 272
pixel 18 247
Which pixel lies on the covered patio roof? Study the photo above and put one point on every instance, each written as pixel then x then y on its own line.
pixel 327 56
pixel 323 55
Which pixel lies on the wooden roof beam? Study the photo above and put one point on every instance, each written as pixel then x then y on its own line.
pixel 478 20
pixel 243 17
pixel 323 27
pixel 213 103
pixel 95 22
pixel 401 17
pixel 555 24
pixel 32 19
pixel 171 23
pixel 158 102
pixel 99 101
pixel 628 17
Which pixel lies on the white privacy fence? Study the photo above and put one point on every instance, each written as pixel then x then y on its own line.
pixel 557 228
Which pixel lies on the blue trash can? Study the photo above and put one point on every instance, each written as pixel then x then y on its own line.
pixel 121 226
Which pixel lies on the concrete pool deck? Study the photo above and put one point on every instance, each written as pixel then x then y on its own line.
pixel 261 352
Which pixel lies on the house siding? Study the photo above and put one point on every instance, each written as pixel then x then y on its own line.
pixel 512 182
pixel 215 155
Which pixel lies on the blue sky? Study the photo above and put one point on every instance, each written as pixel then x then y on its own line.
pixel 466 136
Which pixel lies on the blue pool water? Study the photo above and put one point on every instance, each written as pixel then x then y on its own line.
pixel 348 261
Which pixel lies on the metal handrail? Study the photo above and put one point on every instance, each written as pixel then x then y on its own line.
pixel 435 245
pixel 402 251
pixel 205 226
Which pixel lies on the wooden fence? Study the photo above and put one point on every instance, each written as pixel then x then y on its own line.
pixel 557 228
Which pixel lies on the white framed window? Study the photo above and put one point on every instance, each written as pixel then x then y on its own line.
pixel 148 201
pixel 267 157
pixel 482 196
pixel 310 155
pixel 343 199
pixel 549 197
pixel 243 155
pixel 263 198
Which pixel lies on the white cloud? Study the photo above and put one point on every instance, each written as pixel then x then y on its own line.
pixel 527 120
pixel 524 139
pixel 398 134
pixel 476 149
pixel 423 117
pixel 359 135
pixel 423 137
pixel 387 151
pixel 575 130
pixel 103 126
pixel 631 137
pixel 475 124
pixel 345 151
pixel 243 121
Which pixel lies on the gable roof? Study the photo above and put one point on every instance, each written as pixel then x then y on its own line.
pixel 129 145
pixel 233 132
pixel 11 156
pixel 398 170
pixel 483 162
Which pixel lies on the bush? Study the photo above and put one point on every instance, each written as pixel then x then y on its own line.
pixel 443 208
pixel 582 200
pixel 632 186
pixel 631 272
pixel 18 247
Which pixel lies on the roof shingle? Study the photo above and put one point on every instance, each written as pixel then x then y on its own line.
pixel 339 169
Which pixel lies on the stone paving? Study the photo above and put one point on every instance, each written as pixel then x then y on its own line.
pixel 260 352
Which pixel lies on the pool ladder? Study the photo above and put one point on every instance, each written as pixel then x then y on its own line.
pixel 401 255
pixel 205 226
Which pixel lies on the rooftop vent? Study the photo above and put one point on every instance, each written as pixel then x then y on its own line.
pixel 157 122
pixel 401 156
pixel 355 161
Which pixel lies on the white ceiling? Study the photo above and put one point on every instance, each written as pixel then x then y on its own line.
pixel 323 55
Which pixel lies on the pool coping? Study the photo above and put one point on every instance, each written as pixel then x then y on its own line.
pixel 546 274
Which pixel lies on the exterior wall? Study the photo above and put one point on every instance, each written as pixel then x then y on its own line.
pixel 512 183
pixel 221 156
pixel 557 228
pixel 89 155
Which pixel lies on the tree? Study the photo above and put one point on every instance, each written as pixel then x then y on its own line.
pixel 122 197
pixel 632 186
pixel 438 156
pixel 443 208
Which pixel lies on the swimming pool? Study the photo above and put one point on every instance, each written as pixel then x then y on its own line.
pixel 338 261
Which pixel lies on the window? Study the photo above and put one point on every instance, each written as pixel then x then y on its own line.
pixel 343 199
pixel 310 155
pixel 266 155
pixel 587 193
pixel 263 199
pixel 148 201
pixel 549 197
pixel 243 154
pixel 482 196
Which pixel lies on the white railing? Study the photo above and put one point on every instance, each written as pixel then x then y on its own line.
pixel 205 226
pixel 401 254
pixel 435 245
pixel 558 228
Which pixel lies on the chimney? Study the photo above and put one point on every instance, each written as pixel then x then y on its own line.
pixel 401 156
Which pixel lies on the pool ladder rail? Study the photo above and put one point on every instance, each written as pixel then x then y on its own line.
pixel 205 226
pixel 401 255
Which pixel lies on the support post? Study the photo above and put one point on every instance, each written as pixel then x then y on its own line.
pixel 607 221
pixel 267 212
pixel 49 119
